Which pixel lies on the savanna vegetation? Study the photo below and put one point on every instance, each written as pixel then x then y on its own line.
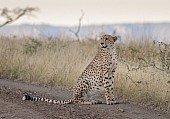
pixel 143 73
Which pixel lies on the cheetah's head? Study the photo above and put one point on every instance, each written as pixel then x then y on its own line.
pixel 107 41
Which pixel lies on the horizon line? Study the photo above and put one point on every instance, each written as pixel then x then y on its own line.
pixel 90 24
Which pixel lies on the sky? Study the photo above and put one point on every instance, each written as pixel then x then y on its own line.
pixel 67 12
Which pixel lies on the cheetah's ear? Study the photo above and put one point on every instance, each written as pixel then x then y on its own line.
pixel 114 38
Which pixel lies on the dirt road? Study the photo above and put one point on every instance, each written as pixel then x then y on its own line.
pixel 12 107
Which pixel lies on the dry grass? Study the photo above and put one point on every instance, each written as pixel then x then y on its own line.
pixel 142 75
pixel 53 62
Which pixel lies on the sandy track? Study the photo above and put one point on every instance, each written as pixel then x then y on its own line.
pixel 12 107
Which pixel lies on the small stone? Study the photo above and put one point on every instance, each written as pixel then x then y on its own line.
pixel 115 102
pixel 2 117
pixel 159 115
pixel 122 110
pixel 62 117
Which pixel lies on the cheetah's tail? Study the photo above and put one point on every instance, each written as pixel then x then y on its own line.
pixel 33 98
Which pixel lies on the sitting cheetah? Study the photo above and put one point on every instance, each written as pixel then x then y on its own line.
pixel 97 75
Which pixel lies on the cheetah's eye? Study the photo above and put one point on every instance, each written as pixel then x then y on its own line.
pixel 106 38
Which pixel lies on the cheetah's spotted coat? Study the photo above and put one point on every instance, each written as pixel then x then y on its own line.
pixel 98 74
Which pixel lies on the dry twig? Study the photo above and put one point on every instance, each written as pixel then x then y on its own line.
pixel 11 16
pixel 76 33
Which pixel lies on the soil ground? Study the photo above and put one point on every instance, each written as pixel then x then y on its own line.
pixel 12 107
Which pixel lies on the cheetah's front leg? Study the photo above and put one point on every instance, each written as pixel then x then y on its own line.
pixel 108 85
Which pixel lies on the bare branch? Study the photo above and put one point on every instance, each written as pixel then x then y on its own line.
pixel 11 16
pixel 76 33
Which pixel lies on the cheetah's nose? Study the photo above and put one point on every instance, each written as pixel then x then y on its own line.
pixel 101 43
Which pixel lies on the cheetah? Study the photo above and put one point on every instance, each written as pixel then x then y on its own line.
pixel 96 76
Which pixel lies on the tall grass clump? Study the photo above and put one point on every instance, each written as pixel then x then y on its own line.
pixel 142 74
